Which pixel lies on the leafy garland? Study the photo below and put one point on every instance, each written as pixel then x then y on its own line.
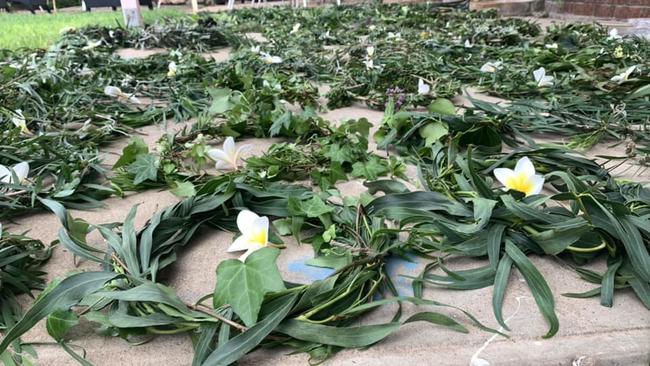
pixel 458 214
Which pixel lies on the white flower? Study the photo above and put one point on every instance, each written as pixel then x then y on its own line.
pixel 173 69
pixel 552 46
pixel 492 66
pixel 90 45
pixel 254 233
pixel 21 170
pixel 423 88
pixel 115 92
pixel 613 34
pixel 176 53
pixel 228 157
pixel 295 28
pixel 370 64
pixel 622 77
pixel 85 71
pixel 19 121
pixel 468 44
pixel 372 27
pixel 397 35
pixel 541 78
pixel 370 51
pixel 522 179
pixel 255 49
pixel 270 59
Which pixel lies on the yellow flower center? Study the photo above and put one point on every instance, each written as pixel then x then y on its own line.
pixel 521 183
pixel 259 237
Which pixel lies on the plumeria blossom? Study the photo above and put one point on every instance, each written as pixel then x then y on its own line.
pixel 618 52
pixel 90 45
pixel 468 44
pixel 541 78
pixel 172 69
pixel 370 64
pixel 21 170
pixel 255 49
pixel 622 77
pixel 423 88
pixel 228 157
pixel 370 51
pixel 19 121
pixel 492 66
pixel 613 34
pixel 270 59
pixel 115 92
pixel 552 46
pixel 254 233
pixel 295 29
pixel 522 179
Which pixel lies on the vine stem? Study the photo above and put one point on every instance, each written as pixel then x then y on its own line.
pixel 205 310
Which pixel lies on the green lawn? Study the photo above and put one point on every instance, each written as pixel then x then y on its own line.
pixel 24 29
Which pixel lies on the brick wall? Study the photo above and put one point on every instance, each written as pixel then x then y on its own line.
pixel 620 9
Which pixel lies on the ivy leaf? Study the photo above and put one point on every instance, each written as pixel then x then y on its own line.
pixel 243 285
pixel 370 169
pixel 145 168
pixel 432 132
pixel 442 106
pixel 59 322
pixel 220 100
pixel 184 189
pixel 131 151
pixel 315 207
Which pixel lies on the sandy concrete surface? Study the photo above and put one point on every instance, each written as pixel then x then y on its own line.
pixel 589 333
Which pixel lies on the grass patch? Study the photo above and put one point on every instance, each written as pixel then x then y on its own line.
pixel 25 30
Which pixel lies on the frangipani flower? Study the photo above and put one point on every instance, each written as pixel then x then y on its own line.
pixel 492 66
pixel 228 157
pixel 522 179
pixel 370 51
pixel 423 88
pixel 613 34
pixel 7 175
pixel 468 44
pixel 295 29
pixel 618 52
pixel 92 45
pixel 255 49
pixel 19 121
pixel 115 92
pixel 552 46
pixel 541 78
pixel 370 64
pixel 622 77
pixel 270 59
pixel 254 233
pixel 173 69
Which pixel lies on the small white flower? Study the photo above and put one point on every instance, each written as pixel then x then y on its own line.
pixel 254 233
pixel 622 77
pixel 423 88
pixel 172 69
pixel 115 92
pixel 397 35
pixel 552 46
pixel 541 78
pixel 370 64
pixel 370 51
pixel 255 49
pixel 21 170
pixel 228 157
pixel 613 34
pixel 90 45
pixel 85 71
pixel 468 44
pixel 268 59
pixel 176 53
pixel 372 27
pixel 19 121
pixel 522 179
pixel 492 66
pixel 295 29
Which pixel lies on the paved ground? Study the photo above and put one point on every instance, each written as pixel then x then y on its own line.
pixel 589 334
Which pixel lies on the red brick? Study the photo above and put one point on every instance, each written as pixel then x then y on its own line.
pixel 605 11
pixel 583 9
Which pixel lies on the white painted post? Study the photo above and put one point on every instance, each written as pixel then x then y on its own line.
pixel 132 13
pixel 195 6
